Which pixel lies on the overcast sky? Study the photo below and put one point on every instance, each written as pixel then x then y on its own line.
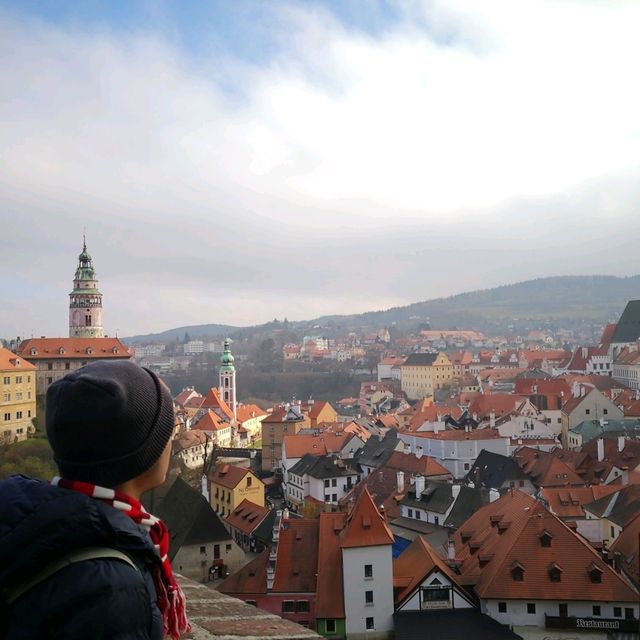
pixel 232 162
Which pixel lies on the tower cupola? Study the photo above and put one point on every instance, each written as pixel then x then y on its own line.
pixel 227 377
pixel 85 301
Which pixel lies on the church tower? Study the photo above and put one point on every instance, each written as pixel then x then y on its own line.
pixel 228 377
pixel 85 301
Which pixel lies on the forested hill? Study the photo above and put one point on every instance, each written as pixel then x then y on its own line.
pixel 559 299
pixel 556 301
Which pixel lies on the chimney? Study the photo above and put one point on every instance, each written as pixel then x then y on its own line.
pixel 419 486
pixel 492 419
pixel 621 443
pixel 585 352
pixel 576 390
pixel 451 548
pixel 600 449
pixel 419 451
pixel 455 491
pixel 493 495
pixel 400 481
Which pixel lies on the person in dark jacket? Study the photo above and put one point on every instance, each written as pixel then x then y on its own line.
pixel 110 427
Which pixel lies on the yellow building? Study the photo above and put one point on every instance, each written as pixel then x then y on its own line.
pixel 283 421
pixel 17 397
pixel 423 373
pixel 229 486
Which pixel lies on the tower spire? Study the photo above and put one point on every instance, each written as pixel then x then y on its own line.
pixel 85 301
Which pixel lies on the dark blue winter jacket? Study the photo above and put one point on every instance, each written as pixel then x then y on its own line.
pixel 96 599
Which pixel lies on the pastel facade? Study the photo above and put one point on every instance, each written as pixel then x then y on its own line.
pixel 17 397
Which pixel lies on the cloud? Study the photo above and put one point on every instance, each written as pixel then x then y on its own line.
pixel 332 175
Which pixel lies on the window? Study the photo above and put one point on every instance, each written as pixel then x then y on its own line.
pixel 327 483
pixel 369 623
pixel 555 573
pixel 628 613
pixel 334 482
pixel 18 379
pixel 531 607
pixel 545 539
pixel 517 573
pixel 368 571
pixel 49 366
pixel 7 380
pixel 330 626
pixel 327 497
pixel 67 366
pixel 521 483
pixel 18 415
pixel 7 417
pixel 595 575
pixel 617 612
pixel 587 411
pixel 18 395
pixel 248 481
pixel 417 515
pixel 605 411
pixel 216 551
pixel 203 550
pixel 410 513
pixel 563 609
pixel 288 606
pixel 302 606
pixel 6 397
pixel 466 466
pixel 613 532
pixel 334 497
pixel 228 547
pixel 596 610
pixel 368 597
pixel 502 607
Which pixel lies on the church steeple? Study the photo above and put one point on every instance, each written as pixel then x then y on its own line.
pixel 85 301
pixel 227 375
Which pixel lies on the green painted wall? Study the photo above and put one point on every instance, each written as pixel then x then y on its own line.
pixel 340 632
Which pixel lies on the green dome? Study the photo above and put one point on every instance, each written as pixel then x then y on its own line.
pixel 226 360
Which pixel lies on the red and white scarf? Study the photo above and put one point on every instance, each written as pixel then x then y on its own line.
pixel 171 600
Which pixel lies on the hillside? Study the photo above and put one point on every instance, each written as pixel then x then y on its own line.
pixel 555 301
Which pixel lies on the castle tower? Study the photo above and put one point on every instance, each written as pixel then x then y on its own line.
pixel 228 377
pixel 85 301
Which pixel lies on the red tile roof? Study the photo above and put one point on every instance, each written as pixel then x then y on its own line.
pixel 68 348
pixel 317 407
pixel 246 412
pixel 251 579
pixel 627 545
pixel 213 400
pixel 186 394
pixel 211 421
pixel 507 533
pixel 330 590
pixel 582 355
pixel 459 434
pixel 607 334
pixel 498 403
pixel 247 516
pixel 227 475
pixel 297 559
pixel 567 502
pixel 412 464
pixel 365 527
pixel 413 565
pixel 9 361
pixel 297 446
pixel 546 469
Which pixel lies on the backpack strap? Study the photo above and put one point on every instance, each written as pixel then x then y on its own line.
pixel 87 553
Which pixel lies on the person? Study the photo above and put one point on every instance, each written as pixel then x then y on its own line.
pixel 80 557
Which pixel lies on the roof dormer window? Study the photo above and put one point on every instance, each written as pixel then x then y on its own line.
pixel 61 351
pixel 115 350
pixel 34 352
pixel 555 572
pixel 89 350
pixel 517 572
pixel 595 573
pixel 545 539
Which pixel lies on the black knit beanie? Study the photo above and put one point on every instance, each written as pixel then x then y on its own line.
pixel 108 422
